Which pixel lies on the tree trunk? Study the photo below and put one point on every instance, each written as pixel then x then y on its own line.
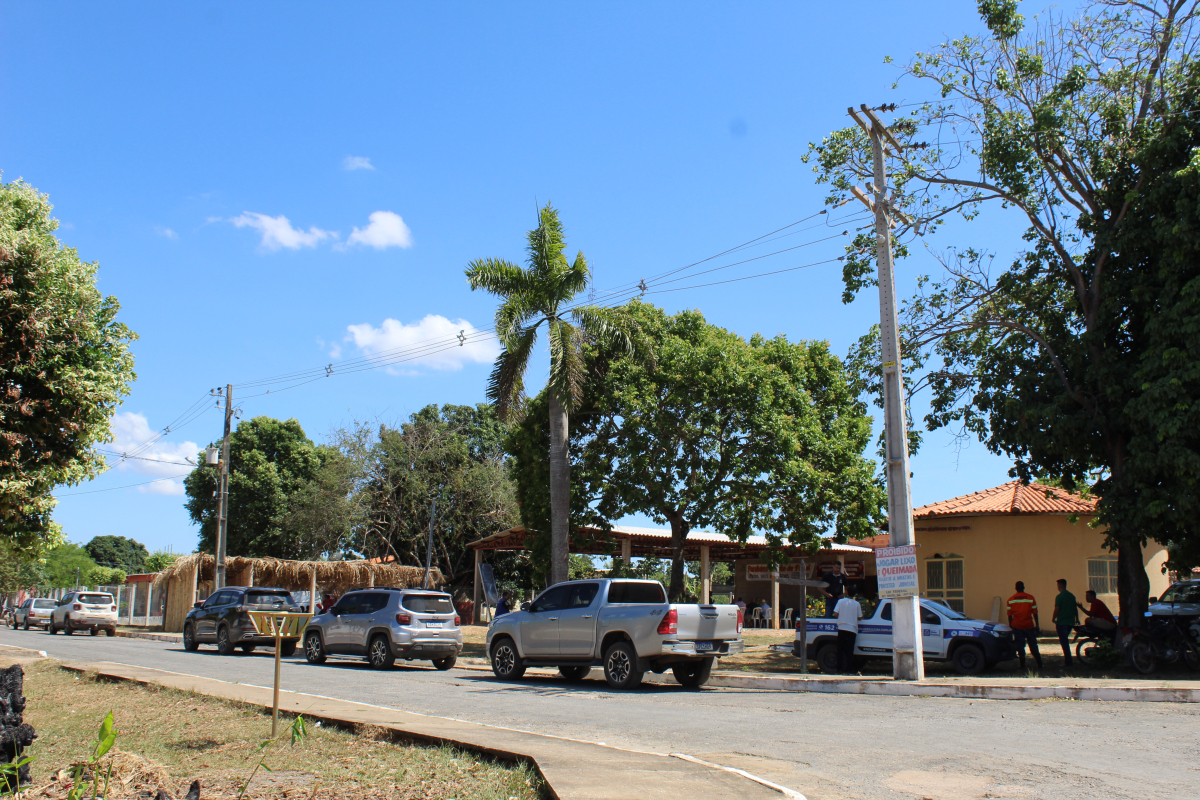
pixel 560 491
pixel 1133 585
pixel 679 532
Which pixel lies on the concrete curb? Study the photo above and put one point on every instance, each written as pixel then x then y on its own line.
pixel 971 691
pixel 155 637
pixel 572 769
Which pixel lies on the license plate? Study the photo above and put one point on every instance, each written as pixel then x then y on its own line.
pixel 433 624
pixel 704 646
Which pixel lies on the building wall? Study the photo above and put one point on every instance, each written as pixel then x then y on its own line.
pixel 1038 549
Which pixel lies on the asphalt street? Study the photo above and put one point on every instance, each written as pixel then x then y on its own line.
pixel 824 745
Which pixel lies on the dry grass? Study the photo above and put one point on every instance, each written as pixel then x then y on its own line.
pixel 169 738
pixel 297 575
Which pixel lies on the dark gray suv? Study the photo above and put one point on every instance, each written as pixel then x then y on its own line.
pixel 386 624
pixel 222 619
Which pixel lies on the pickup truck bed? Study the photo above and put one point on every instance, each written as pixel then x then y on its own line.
pixel 625 626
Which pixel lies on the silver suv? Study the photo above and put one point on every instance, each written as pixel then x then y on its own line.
pixel 386 624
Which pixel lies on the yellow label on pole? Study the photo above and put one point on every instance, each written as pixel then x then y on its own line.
pixel 279 624
pixel 889 364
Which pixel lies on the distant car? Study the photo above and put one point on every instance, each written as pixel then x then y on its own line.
pixel 222 620
pixel 386 624
pixel 33 613
pixel 1182 599
pixel 85 611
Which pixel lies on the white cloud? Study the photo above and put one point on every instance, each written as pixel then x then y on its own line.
pixel 357 162
pixel 434 332
pixel 278 232
pixel 130 430
pixel 385 229
pixel 166 232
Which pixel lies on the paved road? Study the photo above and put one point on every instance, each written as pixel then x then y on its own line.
pixel 824 745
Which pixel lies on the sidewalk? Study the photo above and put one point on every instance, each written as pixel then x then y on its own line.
pixel 573 769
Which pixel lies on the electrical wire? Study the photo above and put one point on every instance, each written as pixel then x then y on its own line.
pixel 127 486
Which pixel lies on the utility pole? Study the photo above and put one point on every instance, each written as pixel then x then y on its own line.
pixel 429 547
pixel 223 492
pixel 907 657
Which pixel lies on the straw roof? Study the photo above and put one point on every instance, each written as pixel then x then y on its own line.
pixel 296 575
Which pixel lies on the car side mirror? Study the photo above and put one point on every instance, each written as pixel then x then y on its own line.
pixel 526 606
pixel 1153 600
pixel 197 605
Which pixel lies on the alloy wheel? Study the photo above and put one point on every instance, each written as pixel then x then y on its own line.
pixel 618 665
pixel 505 659
pixel 312 649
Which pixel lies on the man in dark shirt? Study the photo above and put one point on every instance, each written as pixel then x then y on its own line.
pixel 1066 617
pixel 834 589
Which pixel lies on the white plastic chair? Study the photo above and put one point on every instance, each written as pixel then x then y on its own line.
pixel 756 618
pixel 786 622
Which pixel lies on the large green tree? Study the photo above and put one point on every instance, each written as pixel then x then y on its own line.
pixel 541 294
pixel 118 552
pixel 64 366
pixel 1074 358
pixel 452 456
pixel 736 436
pixel 271 462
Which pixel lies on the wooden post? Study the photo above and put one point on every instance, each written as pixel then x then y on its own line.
pixel 195 585
pixel 705 575
pixel 250 579
pixel 476 590
pixel 627 552
pixel 275 704
pixel 371 579
pixel 312 592
pixel 775 599
pixel 132 600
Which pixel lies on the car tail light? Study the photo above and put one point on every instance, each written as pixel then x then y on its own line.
pixel 77 607
pixel 670 622
pixel 114 608
pixel 457 621
pixel 741 618
pixel 404 619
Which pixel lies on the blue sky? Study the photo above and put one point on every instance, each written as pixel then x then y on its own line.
pixel 274 187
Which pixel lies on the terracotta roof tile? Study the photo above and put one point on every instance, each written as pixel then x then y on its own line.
pixel 1010 498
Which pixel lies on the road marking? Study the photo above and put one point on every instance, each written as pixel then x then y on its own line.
pixel 781 789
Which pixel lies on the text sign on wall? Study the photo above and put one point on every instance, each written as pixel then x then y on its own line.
pixel 759 572
pixel 896 569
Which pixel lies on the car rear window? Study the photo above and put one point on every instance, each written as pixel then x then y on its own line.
pixel 47 603
pixel 269 599
pixel 428 604
pixel 636 592
pixel 96 599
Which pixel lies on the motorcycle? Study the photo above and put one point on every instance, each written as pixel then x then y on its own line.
pixel 1089 643
pixel 1162 640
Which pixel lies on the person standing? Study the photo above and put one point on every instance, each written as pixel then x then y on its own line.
pixel 1023 619
pixel 848 612
pixel 505 604
pixel 835 586
pixel 1066 617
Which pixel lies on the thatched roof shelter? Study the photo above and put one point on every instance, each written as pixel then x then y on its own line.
pixel 338 576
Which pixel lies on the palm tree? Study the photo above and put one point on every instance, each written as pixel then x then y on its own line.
pixel 533 295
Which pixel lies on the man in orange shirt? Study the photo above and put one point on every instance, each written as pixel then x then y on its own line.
pixel 1023 619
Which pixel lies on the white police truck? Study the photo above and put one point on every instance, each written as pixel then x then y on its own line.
pixel 972 645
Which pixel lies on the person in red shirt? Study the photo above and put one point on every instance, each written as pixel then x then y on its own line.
pixel 1023 619
pixel 1098 615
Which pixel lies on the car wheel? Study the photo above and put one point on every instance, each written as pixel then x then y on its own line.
pixel 968 659
pixel 189 639
pixel 445 663
pixel 1142 656
pixel 693 673
pixel 621 666
pixel 67 629
pixel 574 674
pixel 248 648
pixel 507 663
pixel 380 654
pixel 50 628
pixel 827 660
pixel 314 651
pixel 1191 655
pixel 287 649
pixel 94 631
pixel 26 623
pixel 224 646
pixel 110 631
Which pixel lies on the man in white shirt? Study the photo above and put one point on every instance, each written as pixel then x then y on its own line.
pixel 848 612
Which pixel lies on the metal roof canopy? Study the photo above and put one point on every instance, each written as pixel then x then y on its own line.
pixel 653 542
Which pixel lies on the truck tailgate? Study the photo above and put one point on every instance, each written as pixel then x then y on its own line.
pixel 701 623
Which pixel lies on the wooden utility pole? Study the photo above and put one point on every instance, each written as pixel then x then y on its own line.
pixel 429 546
pixel 223 500
pixel 907 657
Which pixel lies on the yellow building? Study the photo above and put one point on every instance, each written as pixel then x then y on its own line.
pixel 972 549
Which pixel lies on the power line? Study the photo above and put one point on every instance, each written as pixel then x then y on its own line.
pixel 128 486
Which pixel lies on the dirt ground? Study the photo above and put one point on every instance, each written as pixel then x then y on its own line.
pixel 167 739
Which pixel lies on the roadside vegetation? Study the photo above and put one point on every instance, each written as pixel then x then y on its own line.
pixel 167 738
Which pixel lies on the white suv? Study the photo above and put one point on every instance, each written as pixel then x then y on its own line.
pixel 85 611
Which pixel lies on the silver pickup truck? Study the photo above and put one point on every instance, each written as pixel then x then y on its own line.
pixel 626 626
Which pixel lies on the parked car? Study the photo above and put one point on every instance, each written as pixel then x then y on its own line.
pixel 625 626
pixel 222 619
pixel 1182 599
pixel 33 613
pixel 85 611
pixel 972 645
pixel 384 624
